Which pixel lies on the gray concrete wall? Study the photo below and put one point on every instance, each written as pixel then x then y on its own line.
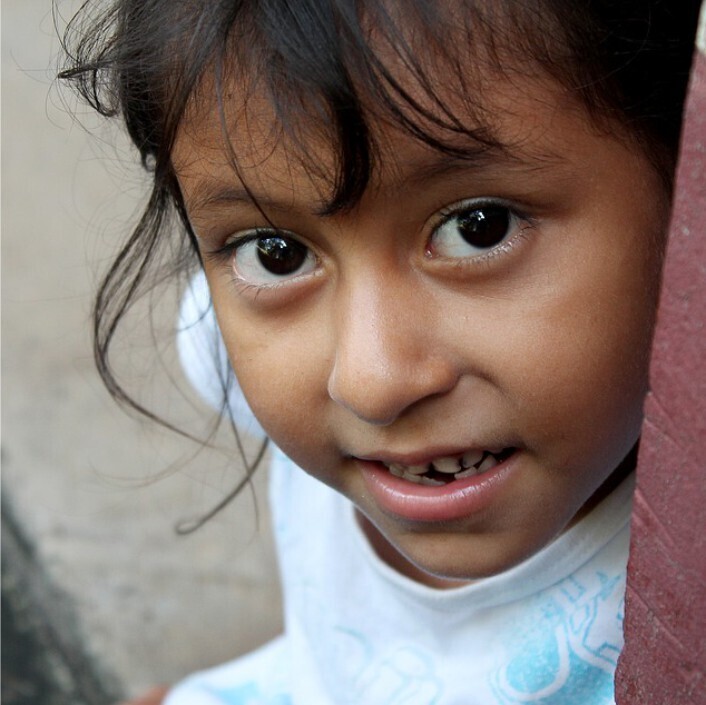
pixel 94 493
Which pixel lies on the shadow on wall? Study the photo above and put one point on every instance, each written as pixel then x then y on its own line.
pixel 43 662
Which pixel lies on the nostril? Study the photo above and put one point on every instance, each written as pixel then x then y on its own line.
pixel 379 394
pixel 375 397
pixel 368 407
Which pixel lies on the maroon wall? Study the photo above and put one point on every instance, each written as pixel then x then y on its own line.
pixel 664 660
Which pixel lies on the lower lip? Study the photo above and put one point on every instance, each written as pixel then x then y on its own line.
pixel 459 499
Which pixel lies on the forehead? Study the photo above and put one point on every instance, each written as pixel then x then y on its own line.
pixel 452 83
pixel 239 149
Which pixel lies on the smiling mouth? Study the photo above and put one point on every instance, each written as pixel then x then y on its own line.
pixel 442 471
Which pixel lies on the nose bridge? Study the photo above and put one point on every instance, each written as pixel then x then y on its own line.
pixel 388 355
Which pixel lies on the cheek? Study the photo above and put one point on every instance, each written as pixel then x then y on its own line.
pixel 282 374
pixel 583 369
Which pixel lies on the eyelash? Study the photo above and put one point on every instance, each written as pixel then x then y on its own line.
pixel 224 255
pixel 519 221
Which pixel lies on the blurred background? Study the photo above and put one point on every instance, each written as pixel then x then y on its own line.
pixel 101 598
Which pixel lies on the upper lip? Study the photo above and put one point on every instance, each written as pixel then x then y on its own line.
pixel 426 456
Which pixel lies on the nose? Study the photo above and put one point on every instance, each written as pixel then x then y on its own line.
pixel 389 351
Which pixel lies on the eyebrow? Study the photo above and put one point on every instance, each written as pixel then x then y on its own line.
pixel 210 193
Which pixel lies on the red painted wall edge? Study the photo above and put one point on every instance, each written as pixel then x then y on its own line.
pixel 664 659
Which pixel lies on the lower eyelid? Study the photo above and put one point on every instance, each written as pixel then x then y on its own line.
pixel 503 249
pixel 516 221
pixel 276 294
pixel 268 278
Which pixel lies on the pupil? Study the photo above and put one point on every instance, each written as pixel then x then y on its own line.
pixel 484 227
pixel 279 255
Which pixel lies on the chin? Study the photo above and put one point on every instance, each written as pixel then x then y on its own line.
pixel 444 561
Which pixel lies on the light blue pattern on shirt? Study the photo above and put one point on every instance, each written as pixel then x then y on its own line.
pixel 248 694
pixel 556 659
pixel 403 675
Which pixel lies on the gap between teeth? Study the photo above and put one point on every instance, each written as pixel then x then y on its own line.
pixel 469 464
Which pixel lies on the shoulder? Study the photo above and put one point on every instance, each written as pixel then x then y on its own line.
pixel 259 678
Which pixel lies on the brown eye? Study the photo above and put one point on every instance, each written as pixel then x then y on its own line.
pixel 281 255
pixel 271 258
pixel 484 227
pixel 471 231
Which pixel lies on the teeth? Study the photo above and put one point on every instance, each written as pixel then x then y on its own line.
pixel 473 462
pixel 416 469
pixel 447 465
pixel 407 473
pixel 470 458
pixel 487 464
pixel 399 470
pixel 430 481
pixel 466 473
pixel 417 479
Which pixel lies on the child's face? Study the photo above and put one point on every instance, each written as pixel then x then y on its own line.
pixel 503 305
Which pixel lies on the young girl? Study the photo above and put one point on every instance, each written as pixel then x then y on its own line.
pixel 431 235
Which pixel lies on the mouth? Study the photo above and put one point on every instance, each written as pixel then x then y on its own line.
pixel 443 488
pixel 444 470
